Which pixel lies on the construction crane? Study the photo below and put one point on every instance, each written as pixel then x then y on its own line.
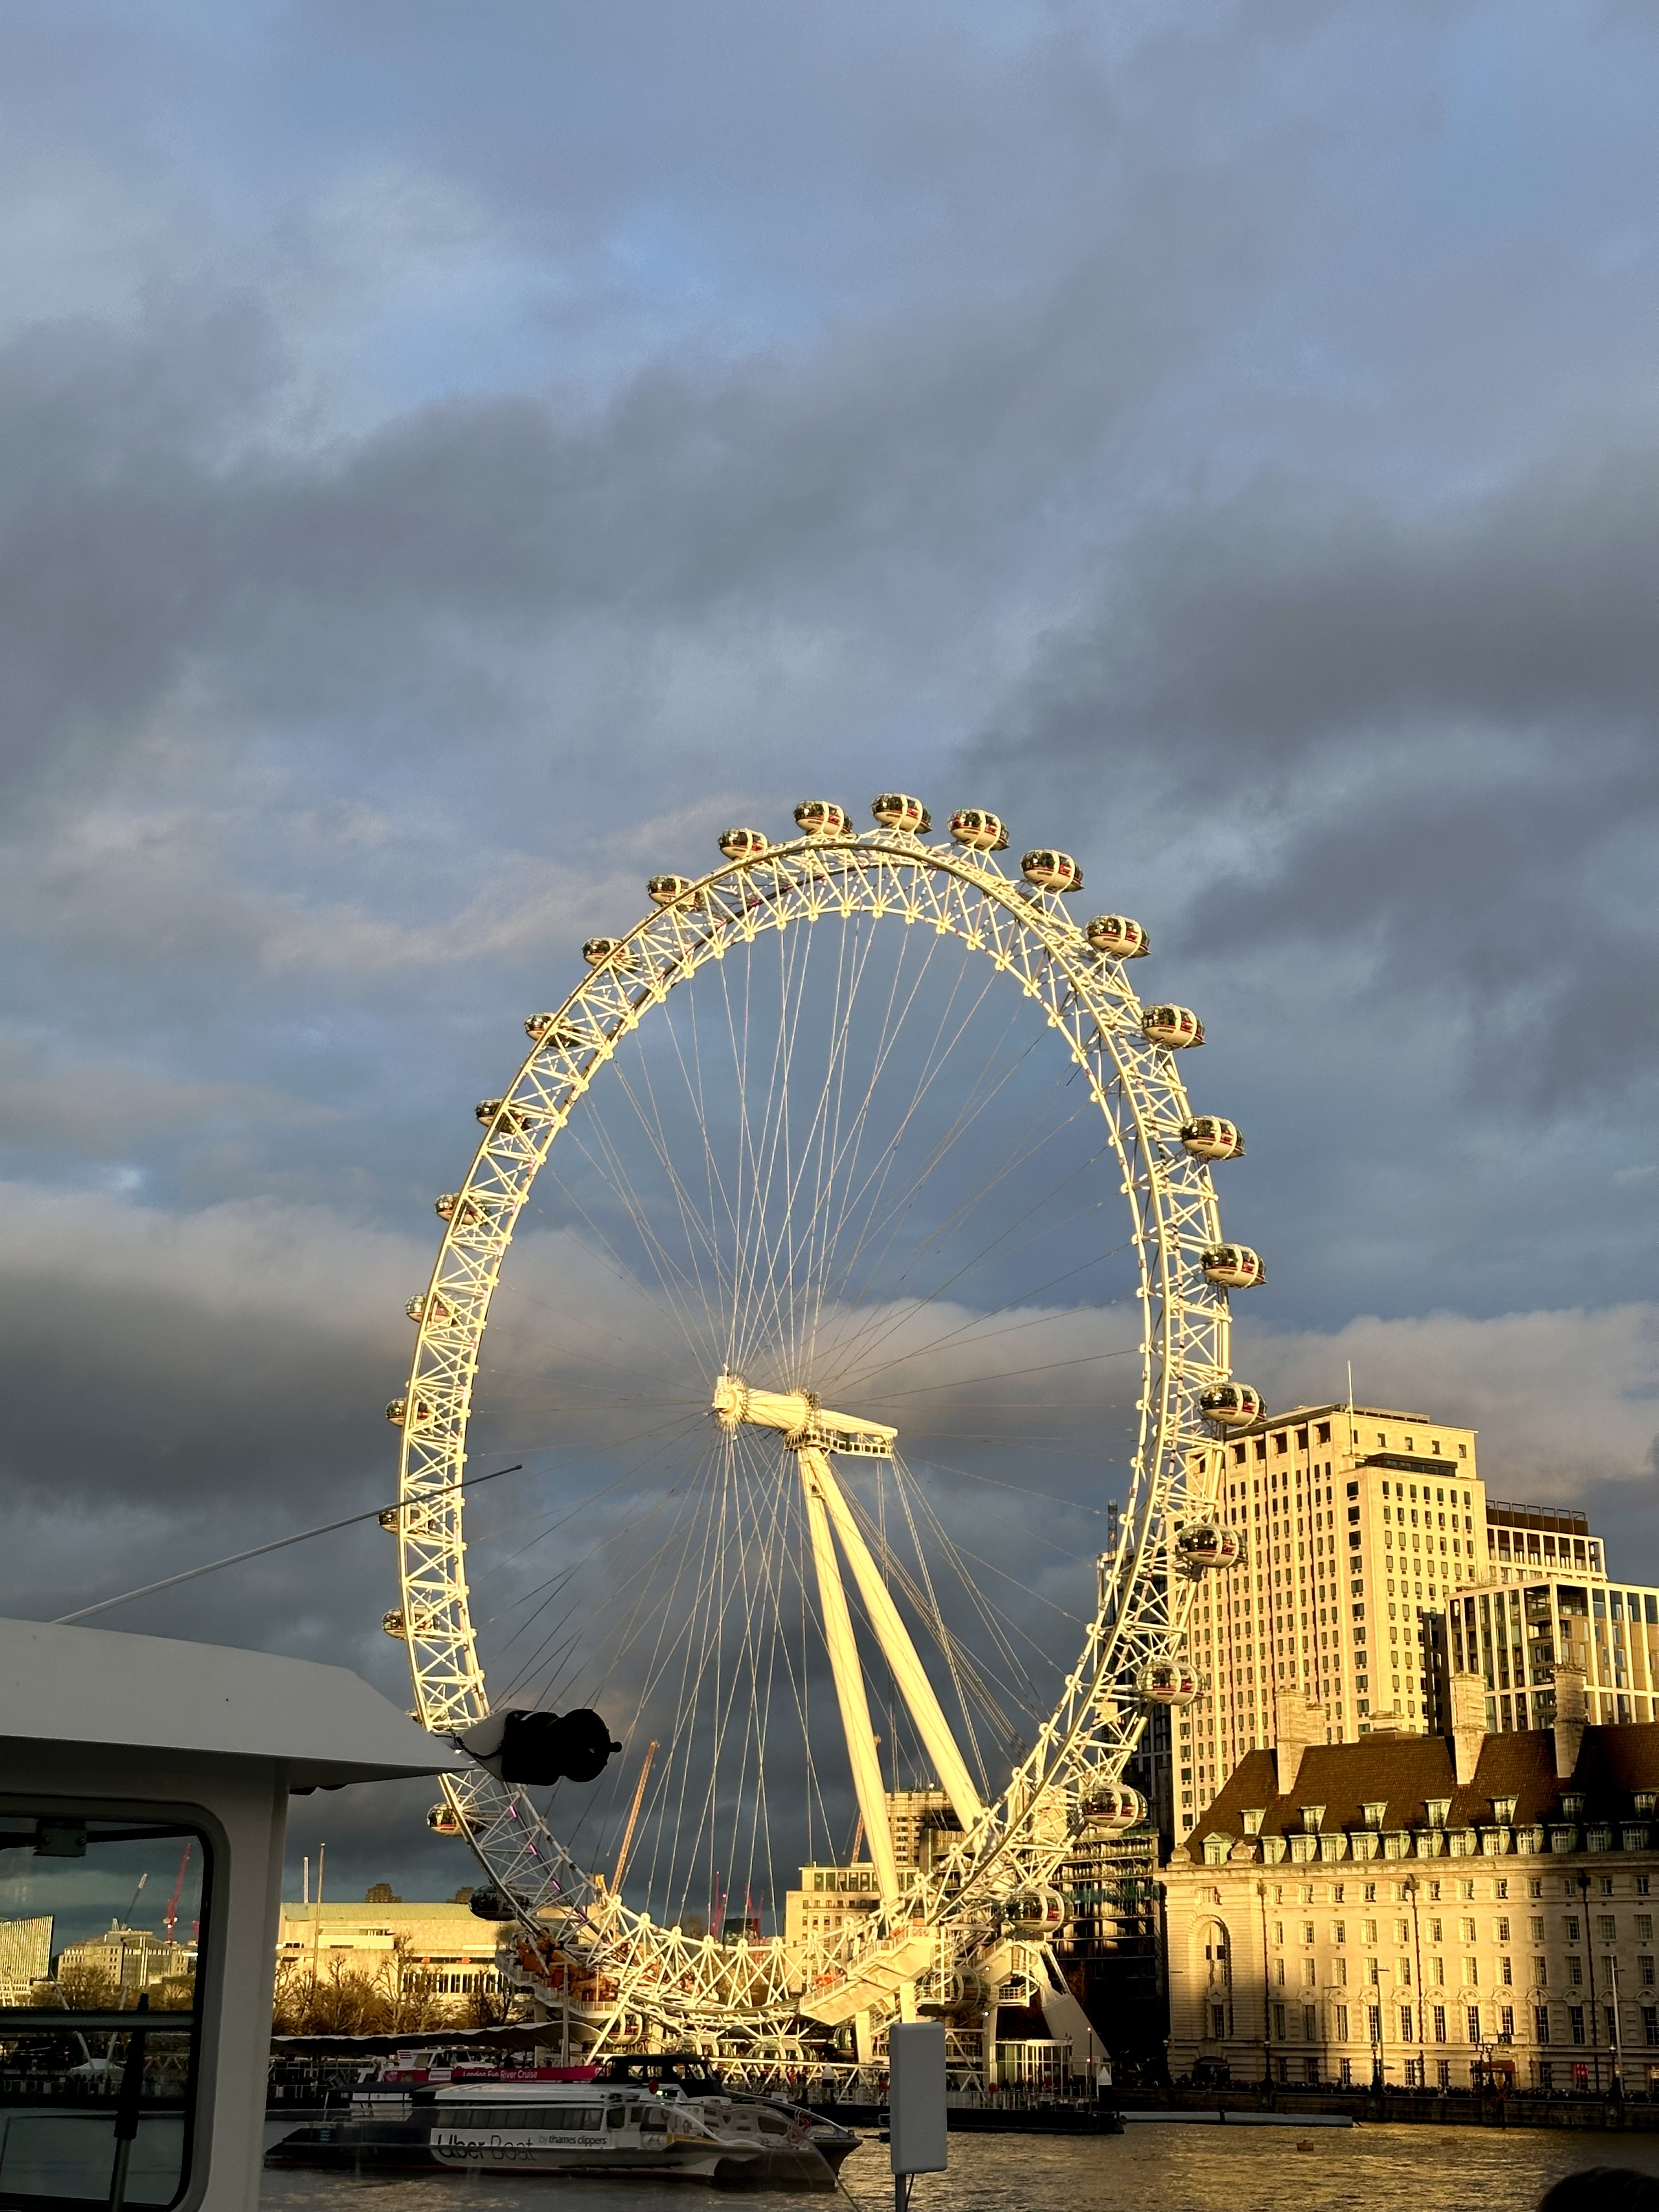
pixel 170 1918
pixel 633 1818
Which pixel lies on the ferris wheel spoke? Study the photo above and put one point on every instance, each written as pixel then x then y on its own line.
pixel 679 1288
pixel 868 1202
pixel 700 1240
pixel 844 1168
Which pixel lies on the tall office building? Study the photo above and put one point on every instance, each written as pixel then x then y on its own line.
pixel 1356 1524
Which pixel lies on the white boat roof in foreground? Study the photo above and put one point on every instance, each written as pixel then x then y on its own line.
pixel 63 1686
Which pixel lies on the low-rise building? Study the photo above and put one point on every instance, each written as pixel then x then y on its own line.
pixel 828 1897
pixel 127 1962
pixel 442 1951
pixel 1419 1910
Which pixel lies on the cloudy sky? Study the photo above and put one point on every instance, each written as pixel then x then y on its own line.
pixel 455 461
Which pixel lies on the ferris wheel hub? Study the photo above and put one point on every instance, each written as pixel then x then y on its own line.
pixel 800 1420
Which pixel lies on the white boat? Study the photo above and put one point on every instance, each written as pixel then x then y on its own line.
pixel 595 2128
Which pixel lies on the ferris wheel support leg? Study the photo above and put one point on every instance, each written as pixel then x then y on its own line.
pixel 850 1693
pixel 899 1652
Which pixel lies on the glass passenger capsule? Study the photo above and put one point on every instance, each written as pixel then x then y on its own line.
pixel 452 1206
pixel 821 818
pixel 1167 1682
pixel 498 1113
pixel 663 890
pixel 744 844
pixel 1209 1137
pixel 980 832
pixel 548 1029
pixel 1111 1809
pixel 394 1624
pixel 1117 937
pixel 897 810
pixel 600 950
pixel 1174 1026
pixel 432 1307
pixel 1231 1404
pixel 1233 1266
pixel 1034 1909
pixel 445 1820
pixel 403 1413
pixel 1050 871
pixel 1206 1543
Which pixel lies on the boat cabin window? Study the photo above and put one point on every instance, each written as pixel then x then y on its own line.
pixel 104 1917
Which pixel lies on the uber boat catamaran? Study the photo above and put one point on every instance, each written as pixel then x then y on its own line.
pixel 598 2128
pixel 692 2128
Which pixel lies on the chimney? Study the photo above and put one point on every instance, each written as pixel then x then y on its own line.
pixel 1469 1724
pixel 1300 1726
pixel 1570 1717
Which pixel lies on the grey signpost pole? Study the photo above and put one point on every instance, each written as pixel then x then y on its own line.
pixel 915 2098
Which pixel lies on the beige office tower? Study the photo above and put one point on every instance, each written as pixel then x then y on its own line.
pixel 1356 1522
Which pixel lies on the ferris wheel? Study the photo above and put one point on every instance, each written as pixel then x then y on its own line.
pixel 843 1246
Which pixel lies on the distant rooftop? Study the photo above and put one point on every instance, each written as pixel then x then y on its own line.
pixel 1554 1520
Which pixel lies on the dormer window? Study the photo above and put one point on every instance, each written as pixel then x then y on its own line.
pixel 1572 1805
pixel 1439 1811
pixel 1643 1801
pixel 1254 1816
pixel 1374 1810
pixel 1503 1811
pixel 1313 1818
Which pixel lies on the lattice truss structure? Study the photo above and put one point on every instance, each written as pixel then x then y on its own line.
pixel 638 1979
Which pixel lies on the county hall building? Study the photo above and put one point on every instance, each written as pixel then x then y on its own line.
pixel 1422 1910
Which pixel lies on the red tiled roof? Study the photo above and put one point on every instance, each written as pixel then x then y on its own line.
pixel 1404 1771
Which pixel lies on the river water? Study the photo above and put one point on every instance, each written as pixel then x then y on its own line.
pixel 1149 2168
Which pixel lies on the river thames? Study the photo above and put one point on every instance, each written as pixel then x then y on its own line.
pixel 1164 2168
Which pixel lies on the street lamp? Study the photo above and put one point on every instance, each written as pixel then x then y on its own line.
pixel 1590 1953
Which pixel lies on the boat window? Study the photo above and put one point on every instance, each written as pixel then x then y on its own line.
pixel 616 2117
pixel 106 1918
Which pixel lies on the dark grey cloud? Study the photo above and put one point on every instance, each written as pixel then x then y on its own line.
pixel 1432 733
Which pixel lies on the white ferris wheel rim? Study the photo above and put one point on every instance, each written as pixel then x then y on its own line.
pixel 1184 1343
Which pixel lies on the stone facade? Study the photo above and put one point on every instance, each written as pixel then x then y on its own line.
pixel 1420 1909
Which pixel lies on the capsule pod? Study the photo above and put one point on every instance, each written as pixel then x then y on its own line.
pixel 1174 1026
pixel 404 1413
pixel 1117 937
pixel 445 1820
pixel 548 1029
pixel 663 890
pixel 744 844
pixel 1034 1909
pixel 822 817
pixel 897 810
pixel 1233 1266
pixel 1109 1809
pixel 1231 1404
pixel 980 832
pixel 1050 871
pixel 1167 1682
pixel 1206 1543
pixel 431 1307
pixel 498 1114
pixel 599 951
pixel 1209 1137
pixel 394 1624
